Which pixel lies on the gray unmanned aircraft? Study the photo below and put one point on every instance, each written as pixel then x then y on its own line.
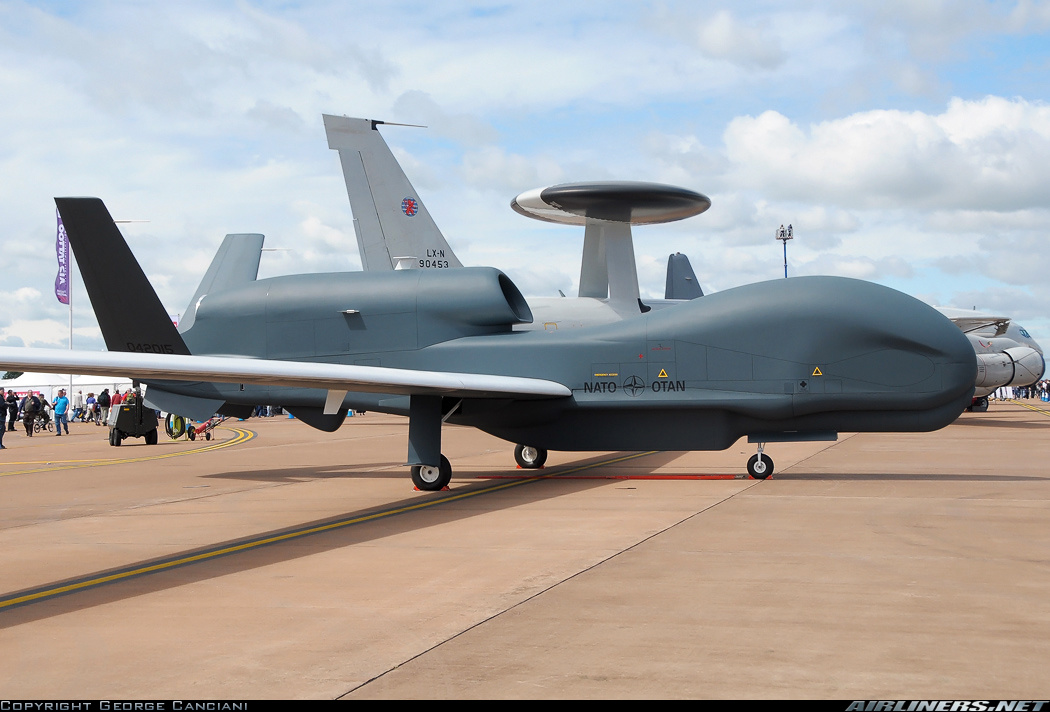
pixel 786 360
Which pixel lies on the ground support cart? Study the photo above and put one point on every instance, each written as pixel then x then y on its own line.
pixel 132 420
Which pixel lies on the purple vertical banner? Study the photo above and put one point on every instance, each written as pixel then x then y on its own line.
pixel 62 250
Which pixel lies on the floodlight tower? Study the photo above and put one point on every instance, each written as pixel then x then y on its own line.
pixel 784 234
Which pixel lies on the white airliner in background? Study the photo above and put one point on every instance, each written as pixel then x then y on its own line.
pixel 1006 354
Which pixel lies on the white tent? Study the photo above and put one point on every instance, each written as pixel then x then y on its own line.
pixel 49 383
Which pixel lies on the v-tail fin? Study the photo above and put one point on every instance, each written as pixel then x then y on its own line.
pixel 127 307
pixel 681 280
pixel 235 264
pixel 394 229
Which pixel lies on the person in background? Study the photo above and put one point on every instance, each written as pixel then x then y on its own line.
pixel 12 410
pixel 61 406
pixel 91 408
pixel 30 407
pixel 78 406
pixel 45 408
pixel 103 406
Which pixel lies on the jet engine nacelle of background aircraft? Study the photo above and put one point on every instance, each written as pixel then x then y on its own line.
pixel 1001 362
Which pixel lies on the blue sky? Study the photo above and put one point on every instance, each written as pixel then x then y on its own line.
pixel 907 142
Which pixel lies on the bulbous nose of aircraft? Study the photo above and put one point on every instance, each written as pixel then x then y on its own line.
pixel 906 346
pixel 838 344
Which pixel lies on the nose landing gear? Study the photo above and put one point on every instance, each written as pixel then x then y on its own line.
pixel 760 466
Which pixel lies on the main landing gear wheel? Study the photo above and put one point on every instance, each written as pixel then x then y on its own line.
pixel 432 479
pixel 760 469
pixel 530 458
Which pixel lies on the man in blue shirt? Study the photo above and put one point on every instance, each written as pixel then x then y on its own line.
pixel 61 405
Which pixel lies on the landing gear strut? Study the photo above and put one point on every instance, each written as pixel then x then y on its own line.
pixel 760 466
pixel 530 458
pixel 424 443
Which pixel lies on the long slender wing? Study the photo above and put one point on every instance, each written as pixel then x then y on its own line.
pixel 371 379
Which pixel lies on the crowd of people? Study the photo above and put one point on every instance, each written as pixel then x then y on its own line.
pixel 1039 389
pixel 39 414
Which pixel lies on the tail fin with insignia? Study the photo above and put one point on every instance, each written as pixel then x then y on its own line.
pixel 394 229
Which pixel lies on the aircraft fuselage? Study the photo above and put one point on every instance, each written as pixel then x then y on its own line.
pixel 806 355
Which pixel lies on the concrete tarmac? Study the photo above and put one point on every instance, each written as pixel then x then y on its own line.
pixel 281 562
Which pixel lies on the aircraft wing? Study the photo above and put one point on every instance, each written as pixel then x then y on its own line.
pixel 969 321
pixel 297 374
pixel 973 324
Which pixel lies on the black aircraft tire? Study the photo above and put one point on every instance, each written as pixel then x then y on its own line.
pixel 530 458
pixel 980 406
pixel 766 467
pixel 428 480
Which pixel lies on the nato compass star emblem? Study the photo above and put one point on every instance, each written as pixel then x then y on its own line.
pixel 634 386
pixel 409 206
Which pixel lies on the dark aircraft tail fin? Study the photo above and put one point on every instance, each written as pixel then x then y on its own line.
pixel 127 307
pixel 235 264
pixel 681 281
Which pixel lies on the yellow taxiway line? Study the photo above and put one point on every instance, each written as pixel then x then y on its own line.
pixel 240 436
pixel 92 581
pixel 1031 407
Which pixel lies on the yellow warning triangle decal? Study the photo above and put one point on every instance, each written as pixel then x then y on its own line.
pixel 663 374
pixel 816 371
